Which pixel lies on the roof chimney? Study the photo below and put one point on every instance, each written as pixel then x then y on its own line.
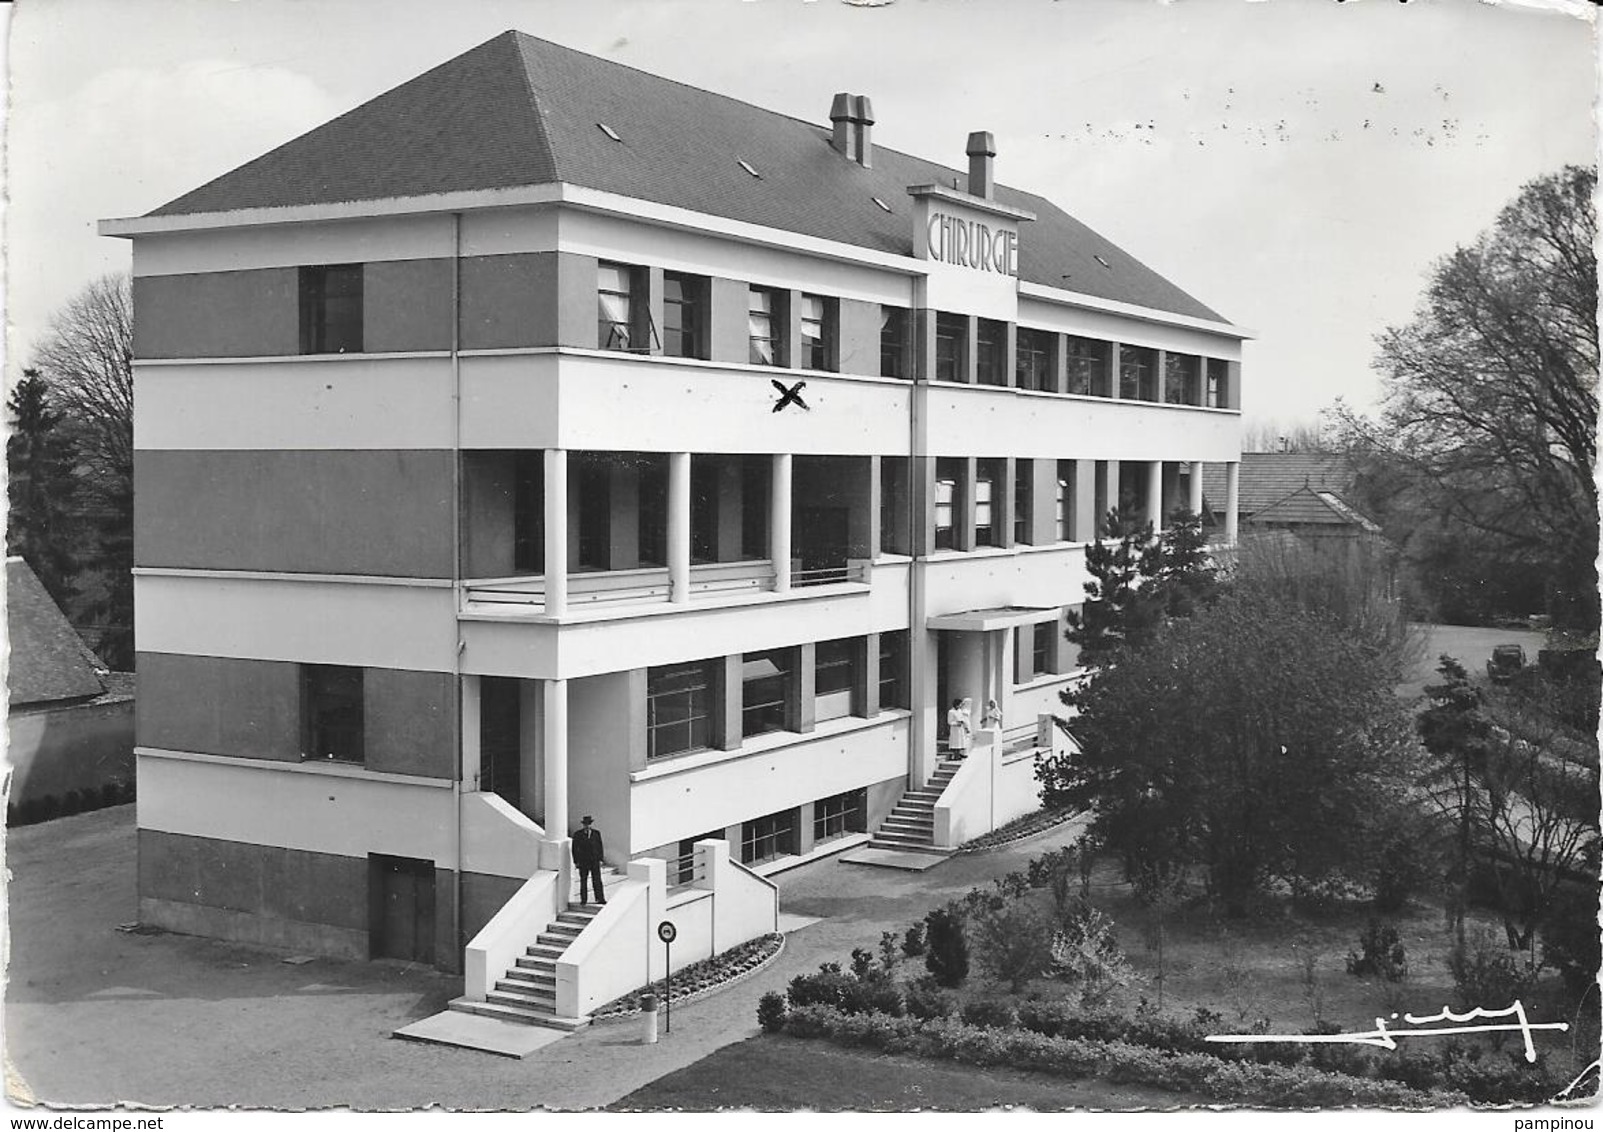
pixel 981 161
pixel 852 116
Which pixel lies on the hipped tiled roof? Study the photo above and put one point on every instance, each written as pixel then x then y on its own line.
pixel 1268 477
pixel 48 659
pixel 519 111
pixel 1306 506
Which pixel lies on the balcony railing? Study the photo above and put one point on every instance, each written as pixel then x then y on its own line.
pixel 650 586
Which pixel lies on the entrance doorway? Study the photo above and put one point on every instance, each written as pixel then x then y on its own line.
pixel 400 911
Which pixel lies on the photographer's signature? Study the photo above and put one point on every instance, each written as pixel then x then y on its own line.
pixel 1384 1035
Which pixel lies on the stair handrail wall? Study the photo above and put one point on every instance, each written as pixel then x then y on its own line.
pixel 509 931
pixel 965 808
pixel 611 956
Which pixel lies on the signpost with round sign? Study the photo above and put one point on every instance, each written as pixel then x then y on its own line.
pixel 667 933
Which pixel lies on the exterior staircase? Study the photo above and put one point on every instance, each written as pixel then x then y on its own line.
pixel 527 993
pixel 911 825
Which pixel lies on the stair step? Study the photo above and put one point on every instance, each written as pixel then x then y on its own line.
pixel 545 965
pixel 519 1014
pixel 541 953
pixel 578 919
pixel 912 822
pixel 521 978
pixel 908 847
pixel 893 838
pixel 545 1003
pixel 559 943
pixel 563 927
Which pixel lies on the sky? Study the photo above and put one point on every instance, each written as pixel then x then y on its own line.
pixel 1297 165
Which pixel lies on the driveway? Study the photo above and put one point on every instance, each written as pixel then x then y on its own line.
pixel 1469 645
pixel 96 1016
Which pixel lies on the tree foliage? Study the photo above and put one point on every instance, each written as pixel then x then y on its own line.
pixel 1490 411
pixel 86 359
pixel 40 524
pixel 1256 740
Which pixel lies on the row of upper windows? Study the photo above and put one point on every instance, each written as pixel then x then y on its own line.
pixel 331 322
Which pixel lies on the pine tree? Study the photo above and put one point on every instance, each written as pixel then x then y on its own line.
pixel 41 487
pixel 1120 609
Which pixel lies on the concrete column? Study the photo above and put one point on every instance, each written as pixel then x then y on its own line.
pixel 1060 363
pixel 1113 371
pixel 963 520
pixel 1230 395
pixel 968 366
pixel 729 703
pixel 1232 500
pixel 779 520
pixel 1002 503
pixel 1160 384
pixel 1155 495
pixel 531 743
pixel 804 685
pixel 556 758
pixel 556 531
pixel 876 506
pixel 1085 516
pixel 1194 489
pixel 1010 354
pixel 472 747
pixel 679 527
pixel 868 679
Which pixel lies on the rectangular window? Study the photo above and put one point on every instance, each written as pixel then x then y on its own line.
pixel 947 475
pixel 1068 473
pixel 756 476
pixel 893 338
pixel 893 670
pixel 1087 364
pixel 766 699
pixel 651 522
pixel 990 362
pixel 765 322
pixel 1041 647
pixel 817 332
pixel 1180 379
pixel 684 306
pixel 679 700
pixel 1138 376
pixel 1035 368
pixel 768 837
pixel 704 504
pixel 595 515
pixel 987 479
pixel 835 677
pixel 331 705
pixel 951 340
pixel 840 814
pixel 1023 499
pixel 528 512
pixel 331 309
pixel 616 316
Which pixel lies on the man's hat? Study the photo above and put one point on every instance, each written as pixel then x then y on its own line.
pixel 587 819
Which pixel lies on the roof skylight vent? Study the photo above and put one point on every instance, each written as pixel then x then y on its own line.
pixel 609 131
pixel 747 166
pixel 882 204
pixel 1103 262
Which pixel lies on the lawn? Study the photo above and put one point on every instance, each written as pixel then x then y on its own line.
pixel 777 1073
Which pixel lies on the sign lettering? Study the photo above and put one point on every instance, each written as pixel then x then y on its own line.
pixel 972 243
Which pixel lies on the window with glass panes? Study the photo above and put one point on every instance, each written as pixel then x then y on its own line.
pixel 615 306
pixel 765 327
pixel 1023 499
pixel 840 814
pixel 1041 647
pixel 951 335
pixel 1138 375
pixel 987 480
pixel 528 512
pixel 755 473
pixel 333 712
pixel 893 337
pixel 1180 379
pixel 704 508
pixel 947 474
pixel 683 305
pixel 331 309
pixel 768 837
pixel 679 701
pixel 1035 359
pixel 595 515
pixel 817 331
pixel 990 342
pixel 766 691
pixel 1216 383
pixel 835 677
pixel 1086 360
pixel 651 520
pixel 893 669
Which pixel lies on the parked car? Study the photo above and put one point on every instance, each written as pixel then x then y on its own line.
pixel 1506 660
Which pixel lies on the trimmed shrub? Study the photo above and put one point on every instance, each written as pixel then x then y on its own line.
pixel 1013 942
pixel 771 1012
pixel 1380 952
pixel 913 941
pixel 872 996
pixel 993 1013
pixel 925 1000
pixel 862 963
pixel 947 957
pixel 823 989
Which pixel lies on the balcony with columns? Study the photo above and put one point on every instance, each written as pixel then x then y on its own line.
pixel 667 529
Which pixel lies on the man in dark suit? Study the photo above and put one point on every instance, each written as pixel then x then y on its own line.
pixel 587 856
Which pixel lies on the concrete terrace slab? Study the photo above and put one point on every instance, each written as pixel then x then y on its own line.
pixel 471 1031
pixel 791 922
pixel 894 859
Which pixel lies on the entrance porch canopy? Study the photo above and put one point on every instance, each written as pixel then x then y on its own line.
pixel 986 620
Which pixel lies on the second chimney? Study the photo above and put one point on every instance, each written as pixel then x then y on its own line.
pixel 981 164
pixel 852 116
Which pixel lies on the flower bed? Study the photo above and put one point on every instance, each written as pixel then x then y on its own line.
pixel 1018 829
pixel 703 977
